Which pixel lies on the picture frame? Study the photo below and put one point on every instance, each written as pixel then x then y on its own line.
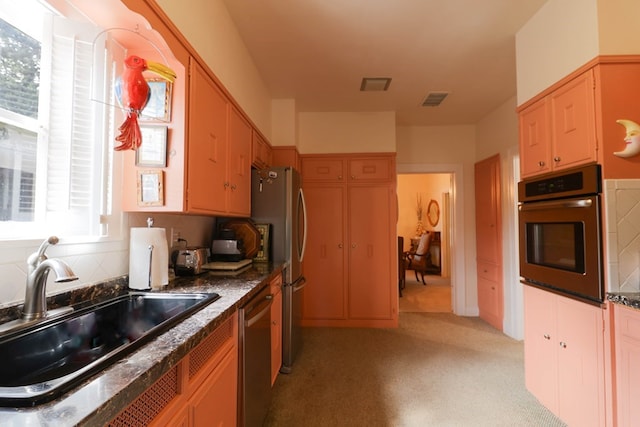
pixel 150 188
pixel 158 107
pixel 264 248
pixel 153 150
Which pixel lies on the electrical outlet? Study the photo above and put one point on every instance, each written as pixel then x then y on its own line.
pixel 175 235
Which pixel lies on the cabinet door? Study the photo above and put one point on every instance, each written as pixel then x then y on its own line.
pixel 573 131
pixel 324 262
pixel 580 363
pixel 215 402
pixel 276 330
pixel 540 346
pixel 370 258
pixel 320 169
pixel 207 148
pixel 370 169
pixel 535 143
pixel 238 187
pixel 627 350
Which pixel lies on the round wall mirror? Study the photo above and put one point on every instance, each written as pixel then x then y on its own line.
pixel 433 213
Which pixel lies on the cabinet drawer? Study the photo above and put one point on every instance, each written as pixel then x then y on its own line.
pixel 322 170
pixel 628 322
pixel 488 271
pixel 370 169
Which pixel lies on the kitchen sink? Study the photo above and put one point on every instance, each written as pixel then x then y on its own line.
pixel 44 361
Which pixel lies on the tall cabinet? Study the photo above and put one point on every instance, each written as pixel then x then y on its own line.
pixel 350 257
pixel 489 240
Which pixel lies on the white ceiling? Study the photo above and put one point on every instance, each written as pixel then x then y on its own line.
pixel 318 51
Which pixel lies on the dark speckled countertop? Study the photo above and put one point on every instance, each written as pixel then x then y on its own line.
pixel 630 299
pixel 103 396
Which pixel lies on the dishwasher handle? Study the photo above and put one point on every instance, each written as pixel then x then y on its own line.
pixel 251 319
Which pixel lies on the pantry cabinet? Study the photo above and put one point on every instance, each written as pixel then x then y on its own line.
pixel 219 151
pixel 350 263
pixel 558 131
pixel 200 391
pixel 564 356
pixel 627 355
pixel 489 240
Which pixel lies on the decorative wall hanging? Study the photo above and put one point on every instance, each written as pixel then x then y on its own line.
pixel 632 139
pixel 150 188
pixel 433 213
pixel 158 108
pixel 153 153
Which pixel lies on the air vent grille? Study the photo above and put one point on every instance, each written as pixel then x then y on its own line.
pixel 370 84
pixel 434 99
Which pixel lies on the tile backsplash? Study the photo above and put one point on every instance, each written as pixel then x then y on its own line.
pixel 622 228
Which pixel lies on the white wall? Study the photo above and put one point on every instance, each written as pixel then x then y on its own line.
pixel 343 132
pixel 209 28
pixel 560 38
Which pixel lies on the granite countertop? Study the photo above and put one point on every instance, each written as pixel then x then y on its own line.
pixel 103 396
pixel 630 299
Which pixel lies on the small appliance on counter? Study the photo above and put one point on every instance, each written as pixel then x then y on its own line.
pixel 189 261
pixel 227 247
pixel 148 257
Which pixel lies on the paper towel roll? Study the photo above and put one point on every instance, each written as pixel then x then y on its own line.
pixel 148 258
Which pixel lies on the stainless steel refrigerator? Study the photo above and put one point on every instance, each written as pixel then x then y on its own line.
pixel 277 199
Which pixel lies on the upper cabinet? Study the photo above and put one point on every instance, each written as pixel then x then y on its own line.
pixel 574 121
pixel 211 144
pixel 558 131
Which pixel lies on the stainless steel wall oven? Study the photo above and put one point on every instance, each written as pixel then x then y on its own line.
pixel 560 233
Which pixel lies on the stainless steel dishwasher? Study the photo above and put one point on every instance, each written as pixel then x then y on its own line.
pixel 255 359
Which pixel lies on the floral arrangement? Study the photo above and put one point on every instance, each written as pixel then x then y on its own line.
pixel 419 208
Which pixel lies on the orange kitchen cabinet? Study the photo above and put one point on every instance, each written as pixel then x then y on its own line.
pixel 261 152
pixel 286 156
pixel 200 391
pixel 324 296
pixel 349 266
pixel 276 327
pixel 219 151
pixel 564 356
pixel 627 370
pixel 489 241
pixel 558 131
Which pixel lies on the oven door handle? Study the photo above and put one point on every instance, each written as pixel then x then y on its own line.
pixel 556 204
pixel 252 318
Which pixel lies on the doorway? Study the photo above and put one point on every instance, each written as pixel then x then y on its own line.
pixel 424 206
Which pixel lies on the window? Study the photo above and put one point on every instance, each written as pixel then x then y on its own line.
pixel 54 160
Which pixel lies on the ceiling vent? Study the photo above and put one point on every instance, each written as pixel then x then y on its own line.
pixel 434 99
pixel 373 84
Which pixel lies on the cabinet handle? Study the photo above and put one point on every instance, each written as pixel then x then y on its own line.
pixel 340 177
pixel 556 159
pixel 226 184
pixel 547 336
pixel 340 245
pixel 541 163
pixel 353 177
pixel 233 186
pixel 563 344
pixel 353 245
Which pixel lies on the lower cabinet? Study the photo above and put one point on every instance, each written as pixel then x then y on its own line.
pixel 564 356
pixel 201 391
pixel 276 327
pixel 627 350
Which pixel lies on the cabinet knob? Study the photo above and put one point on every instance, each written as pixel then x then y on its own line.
pixel 556 159
pixel 353 177
pixel 547 336
pixel 563 344
pixel 541 163
pixel 340 177
pixel 226 184
pixel 340 245
pixel 233 186
pixel 353 245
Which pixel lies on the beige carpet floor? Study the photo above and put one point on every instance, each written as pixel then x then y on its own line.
pixel 436 369
pixel 435 297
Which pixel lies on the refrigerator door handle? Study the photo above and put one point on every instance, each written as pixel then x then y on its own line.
pixel 303 204
pixel 300 283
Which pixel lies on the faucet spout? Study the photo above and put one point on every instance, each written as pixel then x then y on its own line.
pixel 35 301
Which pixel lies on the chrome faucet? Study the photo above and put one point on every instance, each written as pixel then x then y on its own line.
pixel 35 300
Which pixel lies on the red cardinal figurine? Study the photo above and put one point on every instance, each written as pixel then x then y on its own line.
pixel 133 92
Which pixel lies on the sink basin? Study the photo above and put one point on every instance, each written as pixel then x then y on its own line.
pixel 43 362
